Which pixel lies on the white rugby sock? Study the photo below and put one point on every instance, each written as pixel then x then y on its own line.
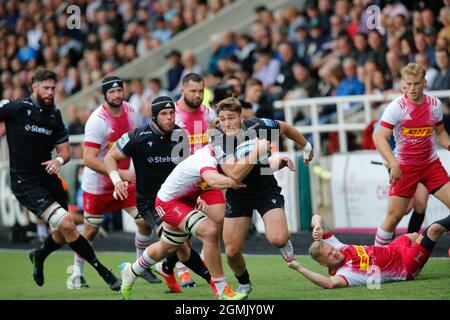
pixel 78 265
pixel 220 284
pixel 143 263
pixel 141 243
pixel 383 238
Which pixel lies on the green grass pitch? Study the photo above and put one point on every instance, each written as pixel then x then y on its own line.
pixel 272 280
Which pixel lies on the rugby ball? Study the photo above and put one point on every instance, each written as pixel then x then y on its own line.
pixel 246 147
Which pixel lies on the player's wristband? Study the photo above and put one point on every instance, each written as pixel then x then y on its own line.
pixel 60 160
pixel 307 148
pixel 115 177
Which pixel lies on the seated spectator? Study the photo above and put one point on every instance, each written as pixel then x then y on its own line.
pixel 266 68
pixel 137 97
pixel 306 86
pixel 245 52
pixel 259 103
pixel 442 81
pixel 431 73
pixel 175 71
pixel 349 85
pixel 154 90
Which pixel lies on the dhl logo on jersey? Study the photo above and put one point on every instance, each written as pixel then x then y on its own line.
pixel 418 132
pixel 363 258
pixel 204 186
pixel 110 144
pixel 198 138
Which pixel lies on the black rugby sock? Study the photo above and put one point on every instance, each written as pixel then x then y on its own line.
pixel 47 247
pixel 415 222
pixel 169 263
pixel 196 264
pixel 84 250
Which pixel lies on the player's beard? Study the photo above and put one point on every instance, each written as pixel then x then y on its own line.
pixel 192 104
pixel 47 103
pixel 115 105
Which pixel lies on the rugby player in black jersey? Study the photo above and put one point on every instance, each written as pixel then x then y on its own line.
pixel 262 192
pixel 34 127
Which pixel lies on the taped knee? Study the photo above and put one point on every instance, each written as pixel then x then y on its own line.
pixel 54 215
pixel 94 220
pixel 193 221
pixel 173 237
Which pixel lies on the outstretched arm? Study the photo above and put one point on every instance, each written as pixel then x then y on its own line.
pixel 318 279
pixel 293 134
pixel 217 180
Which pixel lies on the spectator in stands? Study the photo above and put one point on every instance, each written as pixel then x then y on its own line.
pixel 444 16
pixel 285 80
pixel 306 85
pixel 442 81
pixel 175 71
pixel 394 67
pixel 245 52
pixel 349 85
pixel 266 68
pixel 337 27
pixel 154 89
pixel 407 50
pixel 137 97
pixel 318 45
pixel 422 47
pixel 377 49
pixel 254 97
pixel 362 50
pixel 75 126
pixel 431 73
pixel 325 13
pixel 301 42
pixel 430 36
pixel 224 50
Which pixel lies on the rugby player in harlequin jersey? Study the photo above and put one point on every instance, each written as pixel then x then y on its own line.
pixel 415 120
pixel 194 118
pixel 356 265
pixel 34 128
pixel 154 150
pixel 262 193
pixel 418 203
pixel 105 125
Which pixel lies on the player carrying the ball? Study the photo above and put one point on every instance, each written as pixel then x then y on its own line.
pixel 262 192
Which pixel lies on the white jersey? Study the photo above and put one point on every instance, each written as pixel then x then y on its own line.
pixel 186 181
pixel 102 130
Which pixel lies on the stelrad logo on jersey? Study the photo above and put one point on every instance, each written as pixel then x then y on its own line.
pixel 37 129
pixel 165 159
pixel 418 132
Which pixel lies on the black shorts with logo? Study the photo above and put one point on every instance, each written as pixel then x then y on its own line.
pixel 37 193
pixel 264 202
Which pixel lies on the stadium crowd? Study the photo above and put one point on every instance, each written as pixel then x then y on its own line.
pixel 325 49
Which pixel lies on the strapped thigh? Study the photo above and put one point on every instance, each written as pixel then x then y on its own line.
pixel 54 214
pixel 173 237
pixel 191 222
pixel 94 220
